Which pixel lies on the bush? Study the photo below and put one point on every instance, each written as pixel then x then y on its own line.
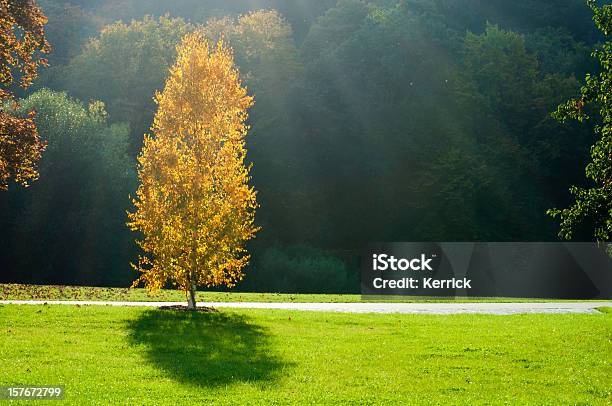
pixel 302 269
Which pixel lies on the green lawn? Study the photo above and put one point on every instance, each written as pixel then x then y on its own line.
pixel 111 355
pixel 51 292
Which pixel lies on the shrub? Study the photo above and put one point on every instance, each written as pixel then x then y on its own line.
pixel 302 269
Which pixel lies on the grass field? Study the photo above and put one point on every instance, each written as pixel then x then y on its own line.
pixel 60 292
pixel 114 355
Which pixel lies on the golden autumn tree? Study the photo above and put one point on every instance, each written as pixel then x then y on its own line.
pixel 22 41
pixel 194 206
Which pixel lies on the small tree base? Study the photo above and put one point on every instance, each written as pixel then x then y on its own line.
pixel 202 309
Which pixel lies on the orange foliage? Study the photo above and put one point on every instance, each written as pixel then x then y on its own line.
pixel 194 205
pixel 22 41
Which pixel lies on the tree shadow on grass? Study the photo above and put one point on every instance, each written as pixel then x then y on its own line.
pixel 207 349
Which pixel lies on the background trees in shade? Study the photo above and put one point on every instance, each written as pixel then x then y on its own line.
pixel 70 223
pixel 392 120
pixel 591 212
pixel 123 67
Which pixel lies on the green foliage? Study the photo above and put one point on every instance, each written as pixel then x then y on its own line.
pixel 302 269
pixel 558 52
pixel 428 133
pixel 505 73
pixel 300 13
pixel 264 48
pixel 69 27
pixel 593 204
pixel 334 27
pixel 76 212
pixel 124 66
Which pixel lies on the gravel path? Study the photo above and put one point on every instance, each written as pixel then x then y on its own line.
pixel 365 307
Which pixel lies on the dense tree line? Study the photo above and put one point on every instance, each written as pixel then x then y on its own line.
pixel 71 224
pixel 387 120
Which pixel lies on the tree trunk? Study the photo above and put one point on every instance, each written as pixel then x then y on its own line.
pixel 191 300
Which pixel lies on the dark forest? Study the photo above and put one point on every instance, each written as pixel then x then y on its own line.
pixel 388 120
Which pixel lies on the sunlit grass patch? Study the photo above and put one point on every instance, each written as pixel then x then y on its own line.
pixel 110 355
